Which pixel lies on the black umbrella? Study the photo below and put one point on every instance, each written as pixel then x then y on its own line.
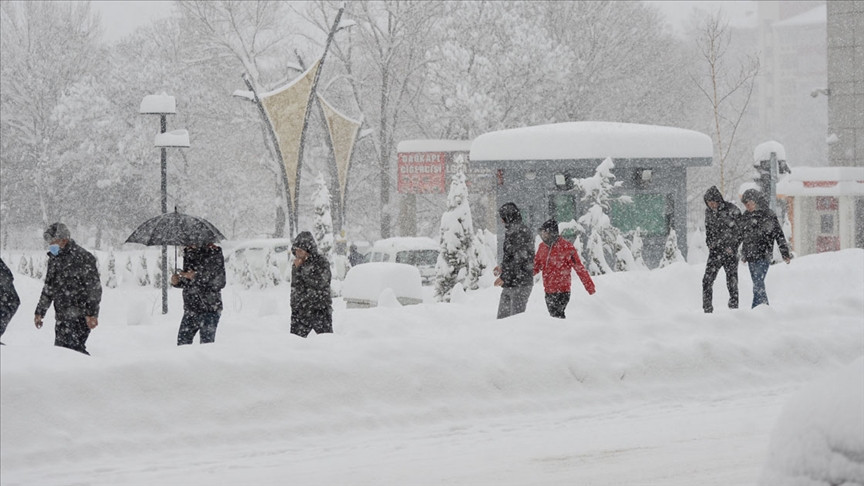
pixel 176 229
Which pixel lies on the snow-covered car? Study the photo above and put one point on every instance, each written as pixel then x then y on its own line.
pixel 254 253
pixel 418 251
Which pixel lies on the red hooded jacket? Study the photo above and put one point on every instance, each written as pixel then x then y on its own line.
pixel 556 265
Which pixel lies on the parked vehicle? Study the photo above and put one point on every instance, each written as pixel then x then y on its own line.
pixel 420 252
pixel 254 253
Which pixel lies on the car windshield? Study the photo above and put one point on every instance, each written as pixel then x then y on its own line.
pixel 417 257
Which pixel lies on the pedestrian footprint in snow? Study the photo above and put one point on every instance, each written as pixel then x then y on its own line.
pixel 202 280
pixel 555 258
pixel 311 303
pixel 72 284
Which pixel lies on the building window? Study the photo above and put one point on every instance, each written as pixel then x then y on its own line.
pixel 826 203
pixel 826 224
pixel 648 212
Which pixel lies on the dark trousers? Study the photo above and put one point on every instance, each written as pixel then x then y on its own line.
pixel 729 263
pixel 556 303
pixel 303 323
pixel 195 322
pixel 72 334
pixel 513 300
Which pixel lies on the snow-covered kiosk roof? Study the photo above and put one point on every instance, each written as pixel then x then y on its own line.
pixel 823 181
pixel 593 141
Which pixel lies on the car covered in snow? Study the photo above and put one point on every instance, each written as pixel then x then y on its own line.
pixel 418 251
pixel 254 254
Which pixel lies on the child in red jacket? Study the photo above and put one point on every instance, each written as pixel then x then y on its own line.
pixel 555 257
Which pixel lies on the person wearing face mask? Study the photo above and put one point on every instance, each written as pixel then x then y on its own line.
pixel 73 285
pixel 555 258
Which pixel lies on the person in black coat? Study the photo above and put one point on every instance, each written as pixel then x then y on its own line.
pixel 9 300
pixel 723 237
pixel 516 271
pixel 760 229
pixel 202 280
pixel 72 284
pixel 311 303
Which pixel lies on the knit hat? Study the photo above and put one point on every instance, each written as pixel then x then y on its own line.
pixel 57 231
pixel 550 225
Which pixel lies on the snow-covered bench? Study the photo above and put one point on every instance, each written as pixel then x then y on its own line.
pixel 365 284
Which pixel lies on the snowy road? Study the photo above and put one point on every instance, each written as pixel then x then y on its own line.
pixel 632 445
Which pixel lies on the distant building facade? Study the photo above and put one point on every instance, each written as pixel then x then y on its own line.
pixel 825 208
pixel 845 38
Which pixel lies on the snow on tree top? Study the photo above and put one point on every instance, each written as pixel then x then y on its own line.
pixel 409 146
pixel 591 140
pixel 764 149
pixel 158 105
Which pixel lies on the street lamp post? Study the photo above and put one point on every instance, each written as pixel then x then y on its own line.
pixel 164 105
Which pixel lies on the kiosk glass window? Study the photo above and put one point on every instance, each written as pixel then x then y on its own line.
pixel 648 212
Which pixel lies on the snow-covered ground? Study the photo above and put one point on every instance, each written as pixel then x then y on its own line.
pixel 636 387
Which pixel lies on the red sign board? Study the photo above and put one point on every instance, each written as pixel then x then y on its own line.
pixel 421 172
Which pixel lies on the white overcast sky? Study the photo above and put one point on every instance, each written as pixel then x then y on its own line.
pixel 122 17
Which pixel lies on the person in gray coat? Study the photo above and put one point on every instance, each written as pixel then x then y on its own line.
pixel 72 284
pixel 516 271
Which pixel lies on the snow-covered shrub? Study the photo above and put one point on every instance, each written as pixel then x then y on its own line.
pixel 819 438
pixel 636 246
pixel 457 260
pixel 671 253
pixel 23 266
pixel 111 271
pixel 599 241
pixel 322 228
pixel 143 272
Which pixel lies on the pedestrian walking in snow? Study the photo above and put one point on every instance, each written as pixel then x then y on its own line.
pixel 722 236
pixel 354 256
pixel 555 258
pixel 9 300
pixel 516 271
pixel 760 229
pixel 202 280
pixel 72 284
pixel 311 303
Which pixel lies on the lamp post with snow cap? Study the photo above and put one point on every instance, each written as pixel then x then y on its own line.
pixel 163 105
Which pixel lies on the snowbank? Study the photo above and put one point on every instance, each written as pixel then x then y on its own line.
pixel 262 406
pixel 819 439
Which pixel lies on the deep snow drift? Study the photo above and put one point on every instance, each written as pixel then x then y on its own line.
pixel 636 386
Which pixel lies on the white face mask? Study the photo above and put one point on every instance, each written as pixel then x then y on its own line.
pixel 54 249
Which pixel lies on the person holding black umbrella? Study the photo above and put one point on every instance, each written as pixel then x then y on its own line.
pixel 202 280
pixel 72 284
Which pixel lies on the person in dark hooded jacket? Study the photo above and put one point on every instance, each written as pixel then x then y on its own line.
pixel 311 303
pixel 202 280
pixel 72 284
pixel 760 229
pixel 516 271
pixel 723 236
pixel 9 300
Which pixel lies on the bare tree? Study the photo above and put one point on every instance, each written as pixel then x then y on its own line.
pixel 728 89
